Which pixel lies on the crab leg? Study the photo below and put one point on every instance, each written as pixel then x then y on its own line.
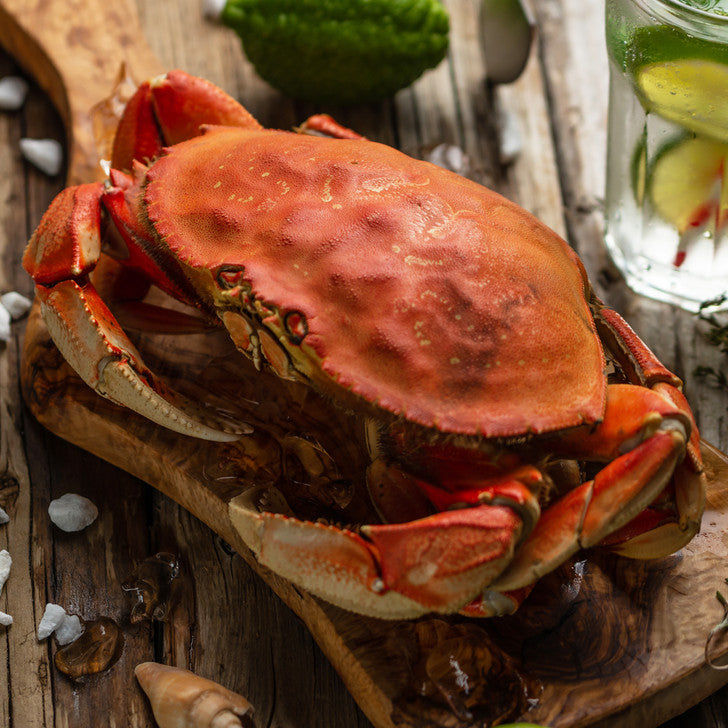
pixel 81 324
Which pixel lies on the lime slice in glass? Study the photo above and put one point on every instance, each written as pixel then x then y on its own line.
pixel 688 183
pixel 681 78
pixel 692 93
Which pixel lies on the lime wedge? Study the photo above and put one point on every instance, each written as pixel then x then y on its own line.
pixel 680 77
pixel 687 183
pixel 693 93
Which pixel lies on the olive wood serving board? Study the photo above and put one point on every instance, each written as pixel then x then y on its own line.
pixel 603 641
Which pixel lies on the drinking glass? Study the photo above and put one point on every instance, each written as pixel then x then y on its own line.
pixel 666 206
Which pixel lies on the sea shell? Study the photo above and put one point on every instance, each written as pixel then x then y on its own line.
pixel 181 699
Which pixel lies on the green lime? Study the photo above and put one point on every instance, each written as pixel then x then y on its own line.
pixel 681 78
pixel 688 182
pixel 340 51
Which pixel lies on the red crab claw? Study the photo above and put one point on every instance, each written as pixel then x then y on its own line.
pixel 646 434
pixel 65 249
pixel 645 539
pixel 60 255
pixel 465 480
pixel 169 109
pixel 424 562
pixel 396 571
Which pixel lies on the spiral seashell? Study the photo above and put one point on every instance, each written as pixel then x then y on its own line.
pixel 181 699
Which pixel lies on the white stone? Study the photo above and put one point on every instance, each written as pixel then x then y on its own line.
pixel 46 154
pixel 52 617
pixel 5 564
pixel 212 9
pixel 69 629
pixel 13 91
pixel 5 619
pixel 72 512
pixel 16 304
pixel 4 517
pixel 4 324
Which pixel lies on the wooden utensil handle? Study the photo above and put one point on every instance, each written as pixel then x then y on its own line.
pixel 76 51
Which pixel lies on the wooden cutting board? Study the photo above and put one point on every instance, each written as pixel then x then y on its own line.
pixel 603 641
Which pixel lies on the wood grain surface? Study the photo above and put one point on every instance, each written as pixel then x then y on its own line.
pixel 245 637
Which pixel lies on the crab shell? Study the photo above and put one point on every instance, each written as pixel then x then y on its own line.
pixel 386 279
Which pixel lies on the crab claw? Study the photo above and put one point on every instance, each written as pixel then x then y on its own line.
pixel 395 571
pixel 583 517
pixel 85 330
pixel 169 109
pixel 445 560
pixel 335 564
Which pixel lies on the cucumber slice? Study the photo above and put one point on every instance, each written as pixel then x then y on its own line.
pixel 688 183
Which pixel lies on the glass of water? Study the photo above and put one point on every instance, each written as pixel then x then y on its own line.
pixel 666 209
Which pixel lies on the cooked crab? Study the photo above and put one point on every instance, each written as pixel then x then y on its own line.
pixel 460 328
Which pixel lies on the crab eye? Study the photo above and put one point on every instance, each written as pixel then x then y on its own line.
pixel 229 277
pixel 296 326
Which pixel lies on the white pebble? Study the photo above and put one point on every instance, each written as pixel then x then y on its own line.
pixel 67 627
pixel 5 564
pixel 52 617
pixel 4 517
pixel 212 9
pixel 4 324
pixel 72 512
pixel 16 304
pixel 69 630
pixel 13 91
pixel 46 154
pixel 5 619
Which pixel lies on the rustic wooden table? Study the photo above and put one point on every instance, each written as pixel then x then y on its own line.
pixel 245 637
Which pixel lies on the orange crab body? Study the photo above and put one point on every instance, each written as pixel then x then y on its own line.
pixel 462 329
